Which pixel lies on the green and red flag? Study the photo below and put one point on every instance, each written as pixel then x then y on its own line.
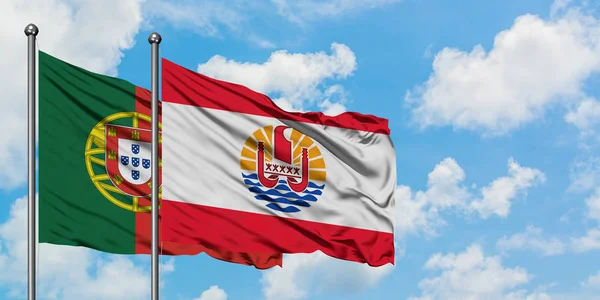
pixel 94 166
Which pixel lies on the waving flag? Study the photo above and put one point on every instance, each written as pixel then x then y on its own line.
pixel 239 173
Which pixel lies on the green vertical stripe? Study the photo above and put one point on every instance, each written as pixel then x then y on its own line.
pixel 71 209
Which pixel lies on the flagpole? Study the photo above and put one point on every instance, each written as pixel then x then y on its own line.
pixel 31 32
pixel 154 39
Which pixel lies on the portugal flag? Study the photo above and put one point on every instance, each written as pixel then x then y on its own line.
pixel 240 173
pixel 95 167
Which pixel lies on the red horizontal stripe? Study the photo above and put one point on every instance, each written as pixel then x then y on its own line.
pixel 183 86
pixel 220 228
pixel 143 225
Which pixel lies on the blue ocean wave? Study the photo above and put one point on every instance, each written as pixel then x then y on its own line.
pixel 314 186
pixel 282 187
pixel 315 192
pixel 250 176
pixel 251 183
pixel 287 209
pixel 281 197
pixel 273 192
pixel 283 200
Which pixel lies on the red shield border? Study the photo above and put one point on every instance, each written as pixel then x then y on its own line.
pixel 112 135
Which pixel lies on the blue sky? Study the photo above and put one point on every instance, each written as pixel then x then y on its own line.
pixel 493 113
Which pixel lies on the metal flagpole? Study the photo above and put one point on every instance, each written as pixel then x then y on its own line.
pixel 31 32
pixel 154 39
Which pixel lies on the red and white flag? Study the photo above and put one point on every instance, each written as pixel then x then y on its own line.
pixel 241 174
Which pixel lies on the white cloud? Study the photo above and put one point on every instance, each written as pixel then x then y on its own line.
pixel 202 16
pixel 261 42
pixel 216 19
pixel 301 11
pixel 77 31
pixel 498 195
pixel 66 272
pixel 593 205
pixel 586 116
pixel 524 295
pixel 532 239
pixel 585 174
pixel 420 211
pixel 304 274
pixel 559 6
pixel 472 275
pixel 593 282
pixel 296 78
pixel 167 267
pixel 334 100
pixel 213 293
pixel 428 52
pixel 414 214
pixel 532 66
pixel 589 242
pixel 332 109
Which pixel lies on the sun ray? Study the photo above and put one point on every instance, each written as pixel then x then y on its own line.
pixel 317 175
pixel 249 154
pixel 253 155
pixel 250 149
pixel 251 143
pixel 310 158
pixel 304 142
pixel 297 141
pixel 295 136
pixel 317 164
pixel 314 156
pixel 268 132
pixel 314 152
pixel 248 165
pixel 259 136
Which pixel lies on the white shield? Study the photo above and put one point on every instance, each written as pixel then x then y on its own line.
pixel 134 161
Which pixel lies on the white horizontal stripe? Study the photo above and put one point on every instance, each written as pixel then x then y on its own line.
pixel 201 165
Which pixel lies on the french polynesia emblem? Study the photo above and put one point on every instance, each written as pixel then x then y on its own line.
pixel 283 167
pixel 118 160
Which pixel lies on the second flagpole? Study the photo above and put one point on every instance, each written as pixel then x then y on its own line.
pixel 31 32
pixel 154 39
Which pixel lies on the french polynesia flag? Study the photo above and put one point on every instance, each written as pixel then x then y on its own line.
pixel 241 174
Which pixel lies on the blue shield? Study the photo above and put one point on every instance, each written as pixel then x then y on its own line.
pixel 135 174
pixel 135 162
pixel 135 148
pixel 146 163
pixel 124 160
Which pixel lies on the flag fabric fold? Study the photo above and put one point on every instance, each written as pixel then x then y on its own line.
pixel 240 173
pixel 94 166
